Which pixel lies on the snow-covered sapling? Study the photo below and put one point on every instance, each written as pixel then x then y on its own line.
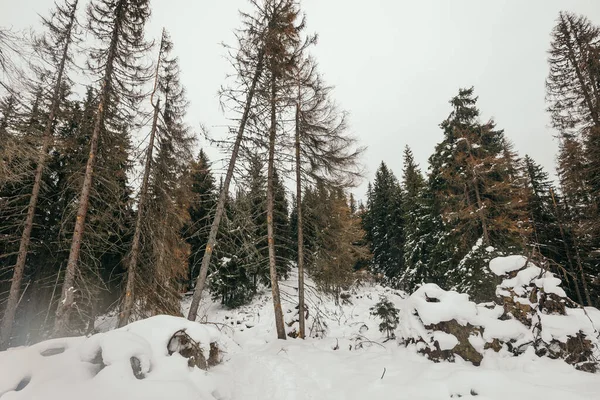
pixel 385 310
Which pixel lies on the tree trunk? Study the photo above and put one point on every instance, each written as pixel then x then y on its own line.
pixel 214 229
pixel 567 252
pixel 480 209
pixel 301 320
pixel 270 207
pixel 67 300
pixel 582 272
pixel 127 307
pixel 15 287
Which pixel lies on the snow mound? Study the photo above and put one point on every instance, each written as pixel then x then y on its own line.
pixel 532 314
pixel 133 363
pixel 503 265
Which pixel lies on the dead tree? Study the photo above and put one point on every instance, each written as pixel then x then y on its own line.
pixel 127 306
pixel 56 46
pixel 118 25
pixel 325 154
pixel 248 62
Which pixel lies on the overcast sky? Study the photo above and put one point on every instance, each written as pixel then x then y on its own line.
pixel 395 64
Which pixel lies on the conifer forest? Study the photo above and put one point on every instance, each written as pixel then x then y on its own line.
pixel 129 234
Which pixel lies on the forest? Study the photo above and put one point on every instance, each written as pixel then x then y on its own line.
pixel 109 207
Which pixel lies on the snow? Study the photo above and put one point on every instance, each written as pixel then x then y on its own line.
pixel 559 327
pixel 348 360
pixel 99 367
pixel 446 341
pixel 503 265
pixel 447 305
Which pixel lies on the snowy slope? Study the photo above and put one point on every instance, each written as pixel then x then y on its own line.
pixel 351 361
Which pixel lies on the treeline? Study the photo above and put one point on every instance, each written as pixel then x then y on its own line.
pixel 480 200
pixel 104 207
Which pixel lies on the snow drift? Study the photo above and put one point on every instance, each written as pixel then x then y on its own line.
pixel 520 342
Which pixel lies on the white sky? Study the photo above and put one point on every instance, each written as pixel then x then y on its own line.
pixel 394 63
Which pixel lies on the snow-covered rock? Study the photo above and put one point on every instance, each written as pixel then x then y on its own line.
pixel 532 311
pixel 129 363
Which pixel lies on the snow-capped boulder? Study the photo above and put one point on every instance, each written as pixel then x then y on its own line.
pixel 442 324
pixel 154 358
pixel 560 328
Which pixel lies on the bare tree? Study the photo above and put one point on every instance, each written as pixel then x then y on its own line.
pixel 248 61
pixel 324 152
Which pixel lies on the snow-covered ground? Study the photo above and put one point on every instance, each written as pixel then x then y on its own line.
pixel 349 360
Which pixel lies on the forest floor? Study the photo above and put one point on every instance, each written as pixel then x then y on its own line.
pixel 351 361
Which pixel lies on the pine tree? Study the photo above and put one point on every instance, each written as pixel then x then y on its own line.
pixel 384 225
pixel 476 189
pixel 573 94
pixel 415 216
pixel 118 27
pixel 201 210
pixel 324 152
pixel 281 40
pixel 248 59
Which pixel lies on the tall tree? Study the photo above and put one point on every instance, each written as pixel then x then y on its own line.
pixel 118 27
pixel 324 152
pixel 573 94
pixel 281 39
pixel 201 210
pixel 55 48
pixel 248 61
pixel 127 306
pixel 170 193
pixel 477 191
pixel 384 225
pixel 415 214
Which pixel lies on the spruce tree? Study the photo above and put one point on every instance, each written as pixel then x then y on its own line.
pixel 384 225
pixel 201 210
pixel 550 237
pixel 476 189
pixel 417 226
